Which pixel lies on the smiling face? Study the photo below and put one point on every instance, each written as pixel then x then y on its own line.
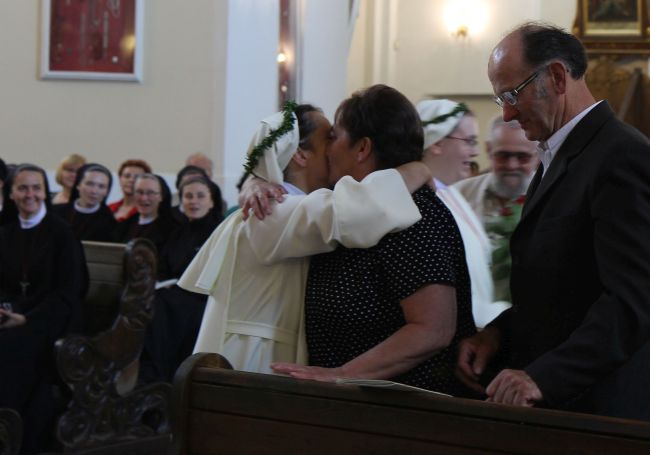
pixel 93 188
pixel 147 196
pixel 197 200
pixel 536 108
pixel 457 151
pixel 513 159
pixel 127 178
pixel 28 192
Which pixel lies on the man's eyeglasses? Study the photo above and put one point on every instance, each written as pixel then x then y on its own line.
pixel 504 157
pixel 510 97
pixel 471 141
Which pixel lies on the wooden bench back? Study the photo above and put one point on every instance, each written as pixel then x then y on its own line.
pixel 106 281
pixel 108 412
pixel 223 411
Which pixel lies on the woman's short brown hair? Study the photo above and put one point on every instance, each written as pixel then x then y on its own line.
pixel 135 163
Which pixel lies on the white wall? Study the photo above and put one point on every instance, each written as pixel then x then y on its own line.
pixel 406 44
pixel 210 75
pixel 251 81
pixel 326 35
pixel 162 120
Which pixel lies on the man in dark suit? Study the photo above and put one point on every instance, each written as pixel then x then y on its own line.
pixel 577 336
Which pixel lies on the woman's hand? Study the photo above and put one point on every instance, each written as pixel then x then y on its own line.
pixel 257 194
pixel 10 319
pixel 303 372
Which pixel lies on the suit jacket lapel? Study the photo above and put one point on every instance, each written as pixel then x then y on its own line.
pixel 573 145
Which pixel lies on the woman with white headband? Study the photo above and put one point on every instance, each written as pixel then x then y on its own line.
pixel 450 144
pixel 255 270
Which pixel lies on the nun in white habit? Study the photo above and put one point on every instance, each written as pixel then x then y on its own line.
pixel 255 271
pixel 450 144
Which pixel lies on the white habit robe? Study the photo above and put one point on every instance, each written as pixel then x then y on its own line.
pixel 478 253
pixel 255 271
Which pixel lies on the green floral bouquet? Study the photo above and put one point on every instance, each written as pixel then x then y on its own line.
pixel 500 228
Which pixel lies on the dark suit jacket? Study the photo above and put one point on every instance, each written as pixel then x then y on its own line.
pixel 580 321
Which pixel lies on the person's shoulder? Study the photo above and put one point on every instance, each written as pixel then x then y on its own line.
pixel 60 210
pixel 427 201
pixel 113 206
pixel 55 221
pixel 59 229
pixel 470 184
pixel 435 214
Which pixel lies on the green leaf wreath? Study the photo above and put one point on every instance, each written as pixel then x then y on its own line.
pixel 286 126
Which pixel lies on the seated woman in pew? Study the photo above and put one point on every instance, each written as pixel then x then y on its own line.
pixel 86 212
pixel 43 278
pixel 254 315
pixel 177 313
pixel 153 220
pixel 129 170
pixel 66 173
pixel 177 204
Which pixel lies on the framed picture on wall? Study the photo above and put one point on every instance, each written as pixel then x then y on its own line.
pixel 613 26
pixel 92 39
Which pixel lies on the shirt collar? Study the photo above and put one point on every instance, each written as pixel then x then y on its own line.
pixel 142 220
pixel 439 185
pixel 86 210
pixel 35 220
pixel 292 189
pixel 548 149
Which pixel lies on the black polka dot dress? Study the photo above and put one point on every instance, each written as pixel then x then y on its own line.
pixel 353 295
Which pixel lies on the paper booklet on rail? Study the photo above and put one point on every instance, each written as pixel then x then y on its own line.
pixel 383 384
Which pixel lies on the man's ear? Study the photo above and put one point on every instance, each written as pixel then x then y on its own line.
pixel 488 148
pixel 300 158
pixel 364 151
pixel 559 74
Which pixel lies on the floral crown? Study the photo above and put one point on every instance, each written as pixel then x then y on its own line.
pixel 288 120
pixel 460 107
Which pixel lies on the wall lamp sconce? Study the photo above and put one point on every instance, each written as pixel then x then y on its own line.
pixel 465 17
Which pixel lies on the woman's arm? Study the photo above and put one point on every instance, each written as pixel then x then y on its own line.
pixel 354 214
pixel 258 195
pixel 430 315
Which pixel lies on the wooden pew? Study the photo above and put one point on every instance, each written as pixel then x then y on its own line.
pixel 107 413
pixel 106 276
pixel 216 410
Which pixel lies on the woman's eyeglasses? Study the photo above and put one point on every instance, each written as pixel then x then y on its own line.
pixel 471 141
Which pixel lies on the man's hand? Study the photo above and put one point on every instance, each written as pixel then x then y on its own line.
pixel 474 354
pixel 257 194
pixel 514 387
pixel 11 319
pixel 415 175
pixel 304 372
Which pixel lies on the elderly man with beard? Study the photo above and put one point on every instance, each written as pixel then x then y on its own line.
pixel 497 197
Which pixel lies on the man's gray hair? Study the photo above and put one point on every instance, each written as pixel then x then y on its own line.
pixel 498 121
